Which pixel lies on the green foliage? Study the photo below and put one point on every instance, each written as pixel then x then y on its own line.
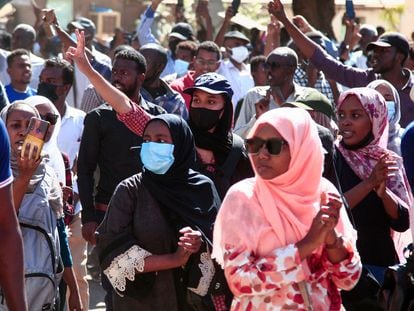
pixel 392 16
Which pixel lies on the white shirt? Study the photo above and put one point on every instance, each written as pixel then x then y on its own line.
pixel 240 81
pixel 247 116
pixel 70 133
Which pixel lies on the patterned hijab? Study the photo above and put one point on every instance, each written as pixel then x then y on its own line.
pixel 363 160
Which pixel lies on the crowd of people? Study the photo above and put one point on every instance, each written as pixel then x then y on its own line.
pixel 268 171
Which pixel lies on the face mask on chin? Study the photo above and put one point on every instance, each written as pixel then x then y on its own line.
pixel 48 90
pixel 204 119
pixel 239 54
pixel 157 157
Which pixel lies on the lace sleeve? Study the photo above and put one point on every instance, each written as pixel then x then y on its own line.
pixel 123 267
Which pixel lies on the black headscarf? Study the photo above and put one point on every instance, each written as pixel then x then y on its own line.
pixel 188 197
pixel 220 141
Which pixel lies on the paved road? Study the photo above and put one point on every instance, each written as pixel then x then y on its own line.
pixel 97 295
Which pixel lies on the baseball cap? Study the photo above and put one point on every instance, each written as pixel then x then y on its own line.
pixel 313 100
pixel 182 31
pixel 212 83
pixel 237 35
pixel 389 39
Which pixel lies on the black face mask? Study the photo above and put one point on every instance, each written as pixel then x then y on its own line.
pixel 47 90
pixel 204 119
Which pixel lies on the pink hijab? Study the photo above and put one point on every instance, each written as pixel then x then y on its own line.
pixel 363 160
pixel 261 215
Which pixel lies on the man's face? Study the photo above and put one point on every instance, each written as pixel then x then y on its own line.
pixel 260 75
pixel 125 77
pixel 54 75
pixel 20 70
pixel 230 43
pixel 384 59
pixel 20 40
pixel 205 61
pixel 184 55
pixel 279 69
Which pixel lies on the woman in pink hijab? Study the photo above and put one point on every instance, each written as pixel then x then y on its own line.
pixel 282 237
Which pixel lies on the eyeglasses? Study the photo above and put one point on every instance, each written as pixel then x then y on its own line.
pixel 202 62
pixel 275 65
pixel 50 117
pixel 273 145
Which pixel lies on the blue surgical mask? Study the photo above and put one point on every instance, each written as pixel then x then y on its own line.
pixel 181 67
pixel 157 157
pixel 391 109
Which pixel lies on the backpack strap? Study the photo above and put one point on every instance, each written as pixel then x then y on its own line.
pixel 233 158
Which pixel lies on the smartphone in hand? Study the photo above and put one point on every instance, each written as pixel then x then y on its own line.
pixel 35 137
pixel 350 11
pixel 235 6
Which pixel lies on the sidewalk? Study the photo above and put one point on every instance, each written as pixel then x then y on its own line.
pixel 96 294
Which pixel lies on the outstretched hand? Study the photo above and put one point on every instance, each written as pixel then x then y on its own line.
pixel 275 7
pixel 78 53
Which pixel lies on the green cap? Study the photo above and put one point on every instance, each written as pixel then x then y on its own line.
pixel 313 100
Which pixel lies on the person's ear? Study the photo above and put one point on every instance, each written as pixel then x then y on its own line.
pixel 141 77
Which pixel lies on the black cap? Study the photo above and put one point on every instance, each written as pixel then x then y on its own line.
pixel 212 83
pixel 237 35
pixel 84 23
pixel 182 31
pixel 394 39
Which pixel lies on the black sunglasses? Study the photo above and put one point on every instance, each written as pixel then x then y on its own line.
pixel 50 117
pixel 275 65
pixel 273 145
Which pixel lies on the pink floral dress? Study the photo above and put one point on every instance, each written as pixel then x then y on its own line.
pixel 272 282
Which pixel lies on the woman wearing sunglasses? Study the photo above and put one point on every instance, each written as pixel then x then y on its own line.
pixel 282 237
pixel 373 179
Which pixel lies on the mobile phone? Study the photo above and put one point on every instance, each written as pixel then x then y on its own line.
pixel 350 11
pixel 35 137
pixel 235 6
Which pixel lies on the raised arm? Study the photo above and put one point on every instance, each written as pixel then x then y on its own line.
pixel 306 45
pixel 223 29
pixel 143 29
pixel 114 97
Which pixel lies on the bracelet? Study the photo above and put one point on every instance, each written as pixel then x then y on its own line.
pixel 335 245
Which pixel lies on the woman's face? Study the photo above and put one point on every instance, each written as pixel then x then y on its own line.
pixel 157 132
pixel 266 165
pixel 44 110
pixel 202 99
pixel 17 124
pixel 353 121
pixel 385 91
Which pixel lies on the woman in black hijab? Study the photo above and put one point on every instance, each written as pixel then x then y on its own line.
pixel 220 153
pixel 155 220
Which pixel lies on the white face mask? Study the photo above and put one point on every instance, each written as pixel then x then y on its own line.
pixel 239 54
pixel 391 109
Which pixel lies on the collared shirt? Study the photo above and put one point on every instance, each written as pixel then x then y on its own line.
pixel 181 84
pixel 247 115
pixel 91 99
pixel 13 94
pixel 109 145
pixel 354 77
pixel 240 80
pixel 171 101
pixel 70 133
pixel 322 85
